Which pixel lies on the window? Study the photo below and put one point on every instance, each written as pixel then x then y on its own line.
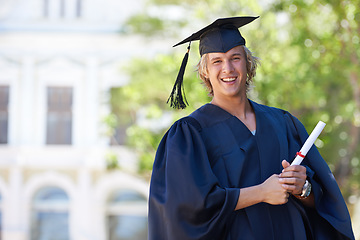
pixel 78 8
pixel 62 8
pixel 46 8
pixel 50 217
pixel 59 9
pixel 59 115
pixel 4 116
pixel 127 216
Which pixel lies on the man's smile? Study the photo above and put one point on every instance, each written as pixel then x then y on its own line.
pixel 229 79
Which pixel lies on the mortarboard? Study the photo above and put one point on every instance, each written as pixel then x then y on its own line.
pixel 220 36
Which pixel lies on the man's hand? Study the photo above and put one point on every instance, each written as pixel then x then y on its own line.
pixel 273 192
pixel 292 178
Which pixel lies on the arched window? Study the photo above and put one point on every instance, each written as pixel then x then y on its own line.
pixel 127 216
pixel 50 215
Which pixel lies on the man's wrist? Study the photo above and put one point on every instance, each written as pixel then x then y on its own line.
pixel 306 190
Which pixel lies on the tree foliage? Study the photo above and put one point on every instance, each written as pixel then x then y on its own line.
pixel 146 96
pixel 325 37
pixel 310 67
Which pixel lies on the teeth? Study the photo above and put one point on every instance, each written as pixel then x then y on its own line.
pixel 228 79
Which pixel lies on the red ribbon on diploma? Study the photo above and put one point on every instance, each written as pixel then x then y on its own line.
pixel 300 154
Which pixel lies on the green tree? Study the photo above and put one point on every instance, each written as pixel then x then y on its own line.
pixel 147 94
pixel 324 77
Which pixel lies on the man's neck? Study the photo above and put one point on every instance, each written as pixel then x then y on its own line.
pixel 238 107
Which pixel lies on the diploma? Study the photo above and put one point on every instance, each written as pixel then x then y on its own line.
pixel 308 143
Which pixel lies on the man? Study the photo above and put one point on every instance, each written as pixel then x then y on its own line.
pixel 224 173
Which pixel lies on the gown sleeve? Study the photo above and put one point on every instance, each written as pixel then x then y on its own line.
pixel 329 202
pixel 186 201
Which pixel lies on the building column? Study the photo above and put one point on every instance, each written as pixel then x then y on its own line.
pixel 13 224
pixel 14 120
pixel 26 116
pixel 93 102
pixel 81 227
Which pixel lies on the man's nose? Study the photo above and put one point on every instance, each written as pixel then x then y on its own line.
pixel 227 67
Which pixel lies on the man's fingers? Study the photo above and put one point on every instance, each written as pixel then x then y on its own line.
pixel 300 175
pixel 294 189
pixel 285 164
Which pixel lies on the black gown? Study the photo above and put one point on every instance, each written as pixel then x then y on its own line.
pixel 204 159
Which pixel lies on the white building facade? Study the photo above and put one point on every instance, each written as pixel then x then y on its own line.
pixel 58 60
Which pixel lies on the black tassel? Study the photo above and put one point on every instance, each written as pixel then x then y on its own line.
pixel 177 97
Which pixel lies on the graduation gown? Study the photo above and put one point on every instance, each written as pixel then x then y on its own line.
pixel 203 161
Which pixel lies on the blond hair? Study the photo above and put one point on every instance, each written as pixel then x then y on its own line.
pixel 252 63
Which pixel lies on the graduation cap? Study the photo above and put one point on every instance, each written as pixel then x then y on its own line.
pixel 220 36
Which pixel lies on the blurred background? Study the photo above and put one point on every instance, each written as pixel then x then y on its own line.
pixel 83 90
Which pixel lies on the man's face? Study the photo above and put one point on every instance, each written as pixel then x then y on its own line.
pixel 227 73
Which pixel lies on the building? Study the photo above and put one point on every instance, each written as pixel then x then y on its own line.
pixel 58 60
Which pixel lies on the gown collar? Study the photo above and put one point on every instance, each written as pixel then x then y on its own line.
pixel 217 114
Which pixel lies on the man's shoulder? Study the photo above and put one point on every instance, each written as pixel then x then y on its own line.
pixel 191 121
pixel 209 115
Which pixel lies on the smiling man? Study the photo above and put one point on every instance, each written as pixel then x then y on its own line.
pixel 224 173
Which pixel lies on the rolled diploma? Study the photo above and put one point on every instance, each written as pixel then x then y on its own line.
pixel 308 143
